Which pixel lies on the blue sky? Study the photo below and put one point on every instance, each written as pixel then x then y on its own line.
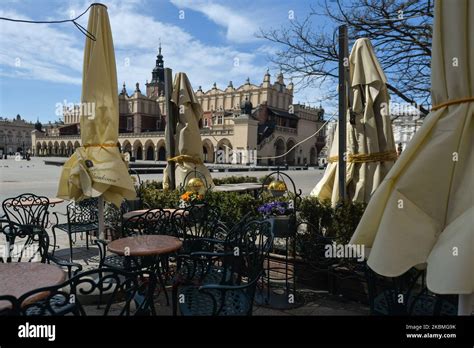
pixel 41 64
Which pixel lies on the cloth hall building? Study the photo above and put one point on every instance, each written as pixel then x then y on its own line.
pixel 272 126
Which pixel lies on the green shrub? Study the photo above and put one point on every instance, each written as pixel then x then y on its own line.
pixel 317 213
pixel 234 180
pixel 157 198
pixel 338 223
pixel 217 181
pixel 233 205
pixel 345 219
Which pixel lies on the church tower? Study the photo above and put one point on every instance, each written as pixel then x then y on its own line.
pixel 157 84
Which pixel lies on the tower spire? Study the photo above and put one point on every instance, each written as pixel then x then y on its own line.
pixel 157 82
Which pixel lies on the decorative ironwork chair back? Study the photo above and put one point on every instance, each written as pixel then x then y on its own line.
pixel 194 223
pixel 83 212
pixel 27 209
pixel 133 289
pixel 35 245
pixel 246 252
pixel 153 221
pixel 392 296
pixel 241 268
pixel 10 309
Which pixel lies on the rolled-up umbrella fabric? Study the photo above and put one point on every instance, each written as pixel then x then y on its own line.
pixel 188 159
pixel 370 144
pixel 423 212
pixel 97 167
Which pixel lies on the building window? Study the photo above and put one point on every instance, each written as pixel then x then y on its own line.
pixel 220 119
pixel 129 123
pixel 158 124
pixel 206 122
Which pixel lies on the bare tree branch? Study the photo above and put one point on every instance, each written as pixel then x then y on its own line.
pixel 400 31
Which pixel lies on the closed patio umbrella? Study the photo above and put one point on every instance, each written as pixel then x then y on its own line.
pixel 97 169
pixel 187 137
pixel 370 144
pixel 423 212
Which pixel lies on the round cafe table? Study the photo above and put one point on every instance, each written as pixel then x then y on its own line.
pixel 18 278
pixel 145 245
pixel 151 246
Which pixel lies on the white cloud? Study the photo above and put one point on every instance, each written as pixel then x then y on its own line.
pixel 38 51
pixel 239 28
pixel 55 52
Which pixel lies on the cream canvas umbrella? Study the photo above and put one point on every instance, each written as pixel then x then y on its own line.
pixel 96 169
pixel 188 141
pixel 423 212
pixel 370 144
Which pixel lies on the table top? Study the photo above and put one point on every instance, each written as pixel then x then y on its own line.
pixel 52 201
pixel 145 245
pixel 17 278
pixel 133 213
pixel 237 187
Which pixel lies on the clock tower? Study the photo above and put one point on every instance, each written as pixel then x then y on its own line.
pixel 157 84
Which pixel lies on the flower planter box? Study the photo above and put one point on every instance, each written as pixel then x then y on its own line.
pixel 283 226
pixel 306 276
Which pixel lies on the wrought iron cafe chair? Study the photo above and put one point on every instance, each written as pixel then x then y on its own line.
pixel 123 294
pixel 28 210
pixel 32 245
pixel 82 217
pixel 406 294
pixel 153 221
pixel 228 283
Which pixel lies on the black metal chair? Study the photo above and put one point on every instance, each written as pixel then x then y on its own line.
pixel 194 225
pixel 9 305
pixel 406 294
pixel 131 291
pixel 153 221
pixel 27 209
pixel 32 246
pixel 226 284
pixel 428 303
pixel 392 296
pixel 82 217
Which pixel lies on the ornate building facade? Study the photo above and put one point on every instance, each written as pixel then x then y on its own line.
pixel 272 127
pixel 15 135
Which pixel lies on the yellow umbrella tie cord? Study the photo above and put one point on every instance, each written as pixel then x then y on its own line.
pixel 365 158
pixel 100 145
pixel 452 102
pixel 185 158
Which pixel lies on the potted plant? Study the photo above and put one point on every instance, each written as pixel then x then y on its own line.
pixel 281 217
pixel 191 198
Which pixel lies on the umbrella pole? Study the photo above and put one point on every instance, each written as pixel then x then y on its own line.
pixel 170 126
pixel 465 304
pixel 101 217
pixel 343 64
